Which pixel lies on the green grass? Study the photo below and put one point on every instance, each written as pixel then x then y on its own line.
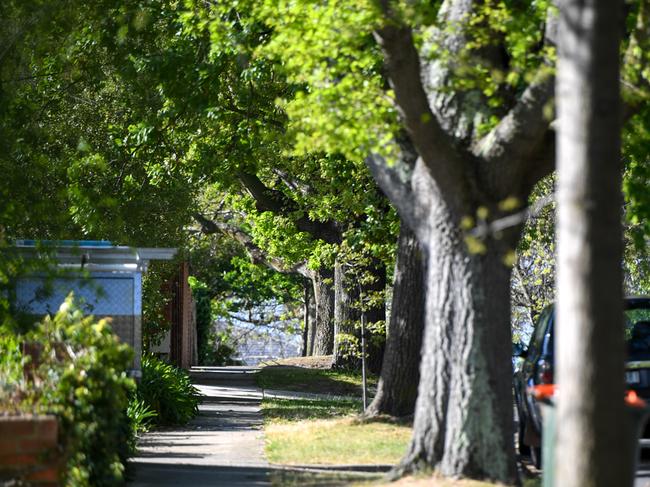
pixel 325 431
pixel 286 410
pixel 328 432
pixel 342 441
pixel 301 379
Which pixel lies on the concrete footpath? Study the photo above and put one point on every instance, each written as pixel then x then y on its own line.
pixel 223 445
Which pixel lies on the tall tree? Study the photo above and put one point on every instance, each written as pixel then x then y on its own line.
pixel 448 174
pixel 400 373
pixel 469 111
pixel 590 338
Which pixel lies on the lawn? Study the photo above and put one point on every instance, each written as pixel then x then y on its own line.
pixel 303 379
pixel 330 432
pixel 326 431
pixel 345 441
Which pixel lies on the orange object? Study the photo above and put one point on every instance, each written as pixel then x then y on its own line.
pixel 632 399
pixel 543 391
pixel 546 391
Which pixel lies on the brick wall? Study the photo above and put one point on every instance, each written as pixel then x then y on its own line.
pixel 29 450
pixel 179 313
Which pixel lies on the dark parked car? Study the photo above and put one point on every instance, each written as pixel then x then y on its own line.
pixel 537 367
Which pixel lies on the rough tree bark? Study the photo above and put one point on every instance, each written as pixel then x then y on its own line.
pixel 590 345
pixel 463 423
pixel 323 280
pixel 305 319
pixel 311 336
pixel 398 383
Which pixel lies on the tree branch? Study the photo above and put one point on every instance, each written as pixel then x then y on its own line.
pixel 505 150
pixel 519 135
pixel 635 57
pixel 403 65
pixel 268 199
pixel 395 180
pixel 257 255
pixel 496 226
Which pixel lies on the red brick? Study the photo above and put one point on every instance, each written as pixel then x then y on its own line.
pixel 13 426
pixel 18 459
pixel 47 429
pixel 8 447
pixel 50 474
pixel 31 445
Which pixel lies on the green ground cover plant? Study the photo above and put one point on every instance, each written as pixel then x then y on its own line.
pixel 287 410
pixel 167 391
pixel 141 417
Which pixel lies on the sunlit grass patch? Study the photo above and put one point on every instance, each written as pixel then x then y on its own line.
pixel 335 441
pixel 325 431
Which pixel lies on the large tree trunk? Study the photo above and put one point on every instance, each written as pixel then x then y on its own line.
pixel 311 317
pixel 590 348
pixel 323 281
pixel 305 319
pixel 463 419
pixel 445 179
pixel 346 318
pixel 398 383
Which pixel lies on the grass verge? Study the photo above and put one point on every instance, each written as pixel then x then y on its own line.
pixel 302 379
pixel 328 432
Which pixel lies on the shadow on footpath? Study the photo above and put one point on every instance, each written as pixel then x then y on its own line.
pixel 153 474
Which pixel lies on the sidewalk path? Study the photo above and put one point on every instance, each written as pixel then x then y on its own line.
pixel 223 445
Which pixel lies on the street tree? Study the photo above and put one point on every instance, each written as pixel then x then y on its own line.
pixel 590 331
pixel 451 106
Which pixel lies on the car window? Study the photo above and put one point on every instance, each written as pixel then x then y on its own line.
pixel 637 331
pixel 550 334
pixel 539 333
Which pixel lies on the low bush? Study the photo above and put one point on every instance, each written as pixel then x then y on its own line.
pixel 141 416
pixel 75 367
pixel 167 390
pixel 11 372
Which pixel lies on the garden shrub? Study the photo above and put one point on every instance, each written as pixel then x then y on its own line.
pixel 167 390
pixel 140 416
pixel 75 367
pixel 11 372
